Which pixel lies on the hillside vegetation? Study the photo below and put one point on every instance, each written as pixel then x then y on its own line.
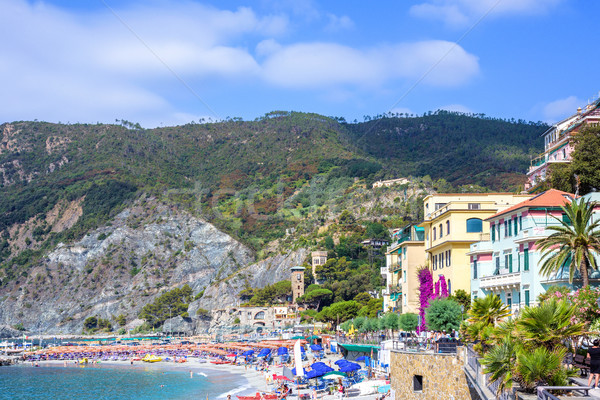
pixel 253 179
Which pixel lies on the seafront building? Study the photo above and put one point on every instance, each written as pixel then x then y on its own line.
pixel 508 264
pixel 558 143
pixel 405 255
pixel 452 222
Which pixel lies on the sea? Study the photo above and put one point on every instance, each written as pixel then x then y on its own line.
pixel 98 382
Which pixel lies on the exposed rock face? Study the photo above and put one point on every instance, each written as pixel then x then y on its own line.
pixel 117 269
pixel 7 332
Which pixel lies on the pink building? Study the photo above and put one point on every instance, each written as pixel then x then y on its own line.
pixel 558 144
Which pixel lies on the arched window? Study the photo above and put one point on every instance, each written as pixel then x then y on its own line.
pixel 434 234
pixel 441 231
pixel 260 315
pixel 448 227
pixel 474 225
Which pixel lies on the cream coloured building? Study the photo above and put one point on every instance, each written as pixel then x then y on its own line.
pixel 452 222
pixel 405 255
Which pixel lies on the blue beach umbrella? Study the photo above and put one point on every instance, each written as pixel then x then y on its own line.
pixel 342 361
pixel 350 367
pixel 248 353
pixel 316 347
pixel 264 353
pixel 282 350
pixel 361 358
pixel 294 371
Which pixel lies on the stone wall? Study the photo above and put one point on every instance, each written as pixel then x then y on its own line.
pixel 443 376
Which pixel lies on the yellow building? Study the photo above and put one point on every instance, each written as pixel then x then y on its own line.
pixel 405 255
pixel 452 222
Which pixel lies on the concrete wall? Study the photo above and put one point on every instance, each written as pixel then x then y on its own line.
pixel 443 376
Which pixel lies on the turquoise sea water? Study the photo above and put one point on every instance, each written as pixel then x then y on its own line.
pixel 112 382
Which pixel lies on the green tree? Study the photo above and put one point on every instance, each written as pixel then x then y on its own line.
pixel 489 310
pixel 585 161
pixel 463 298
pixel 408 322
pixel 121 320
pixel 573 243
pixel 169 304
pixel 443 315
pixel 363 298
pixel 90 323
pixel 314 298
pixel 339 312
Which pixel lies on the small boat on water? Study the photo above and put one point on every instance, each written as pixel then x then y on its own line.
pixel 151 358
pixel 83 361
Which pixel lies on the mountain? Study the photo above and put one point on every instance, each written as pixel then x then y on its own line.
pixel 84 207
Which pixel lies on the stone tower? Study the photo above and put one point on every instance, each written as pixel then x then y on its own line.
pixel 297 282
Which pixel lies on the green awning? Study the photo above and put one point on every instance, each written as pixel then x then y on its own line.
pixel 360 348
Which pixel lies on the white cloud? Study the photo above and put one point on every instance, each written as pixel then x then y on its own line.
pixel 337 23
pixel 309 65
pixel 459 13
pixel 89 67
pixel 559 109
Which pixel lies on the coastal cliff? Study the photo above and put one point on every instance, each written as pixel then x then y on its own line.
pixel 115 270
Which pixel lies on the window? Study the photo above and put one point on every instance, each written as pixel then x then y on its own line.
pixel 441 231
pixel 509 300
pixel 516 230
pixel 475 268
pixel 505 228
pixel 448 258
pixel 417 383
pixel 404 277
pixel 497 271
pixel 506 262
pixel 434 262
pixel 520 222
pixel 260 315
pixel 498 230
pixel 434 236
pixel 404 296
pixel 449 287
pixel 441 260
pixel 493 229
pixel 518 259
pixel 526 260
pixel 527 298
pixel 566 219
pixel 447 227
pixel 439 205
pixel 474 206
pixel 510 263
pixel 404 253
pixel 509 227
pixel 474 225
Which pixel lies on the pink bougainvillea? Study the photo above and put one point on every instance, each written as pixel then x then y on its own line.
pixel 425 294
pixel 443 286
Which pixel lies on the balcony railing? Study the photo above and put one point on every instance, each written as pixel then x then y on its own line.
pixel 501 280
pixel 395 289
pixel 452 206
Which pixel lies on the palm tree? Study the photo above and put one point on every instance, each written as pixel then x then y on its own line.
pixel 488 310
pixel 499 362
pixel 548 325
pixel 573 242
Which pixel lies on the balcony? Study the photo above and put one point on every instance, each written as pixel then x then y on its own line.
pixel 484 247
pixel 396 266
pixel 504 280
pixel 532 234
pixel 459 206
pixel 395 289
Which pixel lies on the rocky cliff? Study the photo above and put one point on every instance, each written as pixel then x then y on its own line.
pixel 146 249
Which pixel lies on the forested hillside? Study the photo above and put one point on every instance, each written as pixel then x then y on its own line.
pixel 254 179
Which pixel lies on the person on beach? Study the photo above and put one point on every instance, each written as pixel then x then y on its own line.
pixel 594 356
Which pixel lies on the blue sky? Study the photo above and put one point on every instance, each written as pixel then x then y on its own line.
pixel 172 62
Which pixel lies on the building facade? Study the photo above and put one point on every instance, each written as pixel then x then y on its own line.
pixel 452 222
pixel 318 258
pixel 297 279
pixel 508 263
pixel 404 257
pixel 558 144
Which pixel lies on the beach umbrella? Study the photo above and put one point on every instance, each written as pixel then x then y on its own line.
pixel 282 351
pixel 264 352
pixel 350 367
pixel 281 378
pixel 341 362
pixel 248 353
pixel 316 347
pixel 362 358
pixel 334 375
pixel 232 355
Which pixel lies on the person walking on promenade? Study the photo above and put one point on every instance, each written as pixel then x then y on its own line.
pixel 594 356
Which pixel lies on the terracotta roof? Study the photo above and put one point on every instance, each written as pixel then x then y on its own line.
pixel 549 198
